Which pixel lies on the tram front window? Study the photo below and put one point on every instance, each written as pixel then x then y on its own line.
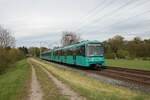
pixel 94 50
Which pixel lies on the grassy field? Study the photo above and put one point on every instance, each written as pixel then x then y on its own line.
pixel 93 89
pixel 50 90
pixel 133 64
pixel 13 83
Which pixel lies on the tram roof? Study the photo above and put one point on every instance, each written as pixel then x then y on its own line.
pixel 77 45
pixel 73 45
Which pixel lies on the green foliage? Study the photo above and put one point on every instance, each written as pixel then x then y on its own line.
pixel 110 55
pixel 116 43
pixel 117 47
pixel 122 54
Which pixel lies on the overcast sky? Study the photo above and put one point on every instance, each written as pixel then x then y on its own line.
pixel 33 21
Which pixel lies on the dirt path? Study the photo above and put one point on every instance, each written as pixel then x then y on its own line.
pixel 36 93
pixel 65 90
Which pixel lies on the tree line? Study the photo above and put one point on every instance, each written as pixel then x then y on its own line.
pixel 119 48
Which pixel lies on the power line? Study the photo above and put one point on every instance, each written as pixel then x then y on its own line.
pixel 92 13
pixel 120 9
pixel 94 9
pixel 109 14
pixel 135 16
pixel 130 18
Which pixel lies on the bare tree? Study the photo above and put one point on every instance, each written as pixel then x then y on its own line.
pixel 69 38
pixel 6 38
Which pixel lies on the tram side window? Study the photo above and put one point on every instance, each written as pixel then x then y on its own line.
pixel 53 53
pixel 82 50
pixel 78 51
pixel 56 53
pixel 65 52
pixel 69 52
pixel 74 52
pixel 59 53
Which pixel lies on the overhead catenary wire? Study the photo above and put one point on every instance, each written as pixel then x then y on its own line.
pixel 130 10
pixel 93 12
pixel 108 14
pixel 124 20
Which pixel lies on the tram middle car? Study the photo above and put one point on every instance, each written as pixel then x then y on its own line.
pixel 84 54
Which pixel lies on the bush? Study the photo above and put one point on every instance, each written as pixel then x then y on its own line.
pixel 110 55
pixel 15 55
pixel 122 54
pixel 9 56
pixel 4 59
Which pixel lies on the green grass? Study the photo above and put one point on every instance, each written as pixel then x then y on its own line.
pixel 50 90
pixel 13 83
pixel 132 64
pixel 91 88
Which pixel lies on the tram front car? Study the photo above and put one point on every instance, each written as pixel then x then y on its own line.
pixel 95 54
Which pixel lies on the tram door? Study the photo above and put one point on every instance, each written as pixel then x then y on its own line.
pixel 74 59
pixel 65 59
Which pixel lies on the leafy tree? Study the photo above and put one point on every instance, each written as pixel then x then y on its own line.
pixel 117 47
pixel 116 43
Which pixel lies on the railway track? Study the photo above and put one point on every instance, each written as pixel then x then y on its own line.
pixel 140 77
